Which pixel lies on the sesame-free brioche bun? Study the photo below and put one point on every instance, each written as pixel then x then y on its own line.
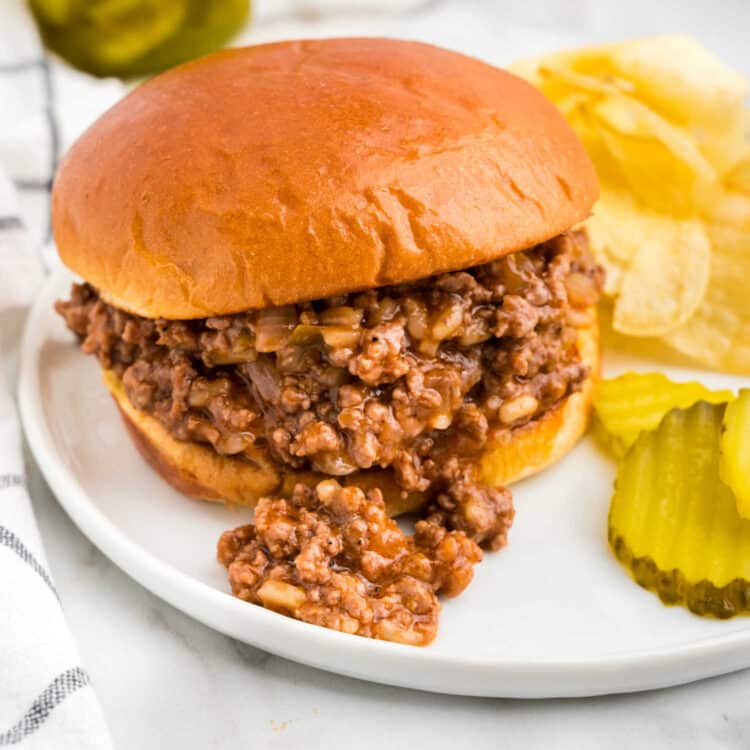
pixel 293 171
pixel 197 470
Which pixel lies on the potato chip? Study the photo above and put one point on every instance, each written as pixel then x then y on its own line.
pixel 685 83
pixel 631 117
pixel 660 163
pixel 730 208
pixel 739 177
pixel 590 60
pixel 573 104
pixel 723 145
pixel 553 75
pixel 577 110
pixel 620 229
pixel 666 281
pixel 718 334
pixel 616 228
pixel 644 254
pixel 680 78
pixel 666 127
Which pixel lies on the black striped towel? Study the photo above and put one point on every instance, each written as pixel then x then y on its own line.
pixel 46 702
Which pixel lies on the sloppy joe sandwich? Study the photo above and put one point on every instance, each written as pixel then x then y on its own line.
pixel 339 278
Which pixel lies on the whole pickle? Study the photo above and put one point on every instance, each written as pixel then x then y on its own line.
pixel 131 38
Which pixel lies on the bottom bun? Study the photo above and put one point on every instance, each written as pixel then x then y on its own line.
pixel 197 470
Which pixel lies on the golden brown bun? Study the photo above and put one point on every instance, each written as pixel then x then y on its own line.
pixel 293 171
pixel 200 472
pixel 192 468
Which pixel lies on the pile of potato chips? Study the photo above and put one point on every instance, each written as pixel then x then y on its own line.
pixel 667 128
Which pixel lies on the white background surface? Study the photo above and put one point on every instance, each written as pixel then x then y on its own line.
pixel 168 682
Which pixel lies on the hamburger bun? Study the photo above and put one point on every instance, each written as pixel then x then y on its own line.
pixel 294 171
pixel 198 471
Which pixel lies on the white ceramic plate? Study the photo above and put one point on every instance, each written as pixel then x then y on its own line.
pixel 552 615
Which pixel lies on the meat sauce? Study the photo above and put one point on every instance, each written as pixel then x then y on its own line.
pixel 413 378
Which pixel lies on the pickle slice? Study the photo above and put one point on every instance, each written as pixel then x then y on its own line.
pixel 735 451
pixel 634 402
pixel 674 524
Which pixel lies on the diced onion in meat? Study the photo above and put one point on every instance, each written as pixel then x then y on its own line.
pixel 341 317
pixel 274 328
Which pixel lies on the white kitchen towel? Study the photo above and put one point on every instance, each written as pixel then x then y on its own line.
pixel 46 700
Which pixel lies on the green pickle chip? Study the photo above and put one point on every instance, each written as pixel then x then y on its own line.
pixel 735 451
pixel 631 403
pixel 674 523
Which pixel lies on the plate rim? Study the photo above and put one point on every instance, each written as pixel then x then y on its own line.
pixel 340 653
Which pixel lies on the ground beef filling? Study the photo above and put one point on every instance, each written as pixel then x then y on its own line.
pixel 413 378
pixel 332 557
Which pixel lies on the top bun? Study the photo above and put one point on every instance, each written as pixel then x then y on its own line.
pixel 287 172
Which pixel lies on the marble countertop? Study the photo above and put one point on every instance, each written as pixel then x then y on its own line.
pixel 165 681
